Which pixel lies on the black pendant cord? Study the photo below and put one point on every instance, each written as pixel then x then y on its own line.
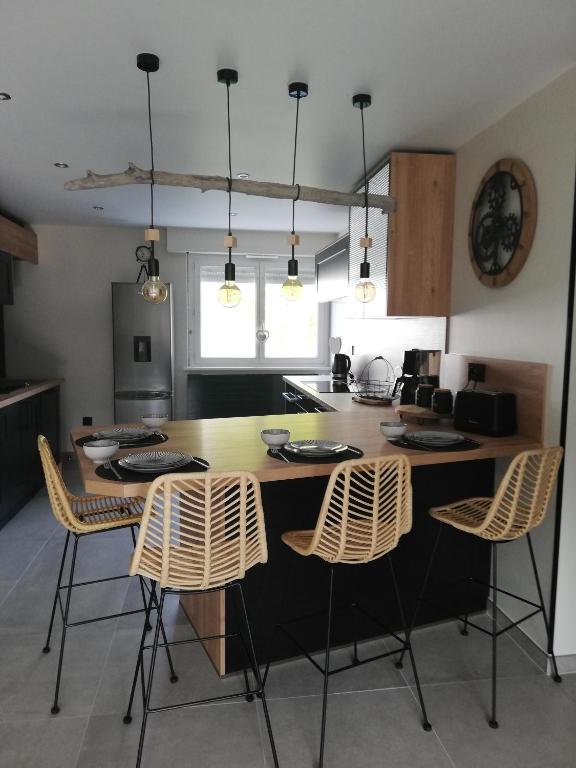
pixel 294 166
pixel 229 168
pixel 152 180
pixel 365 182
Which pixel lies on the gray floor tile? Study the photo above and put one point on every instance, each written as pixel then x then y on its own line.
pixel 16 556
pixel 376 729
pixel 444 655
pixel 51 743
pixel 34 522
pixel 28 676
pixel 299 678
pixel 197 678
pixel 536 724
pixel 569 685
pixel 211 737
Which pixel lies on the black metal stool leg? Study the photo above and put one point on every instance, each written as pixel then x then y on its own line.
pixel 46 648
pixel 258 676
pixel 150 680
pixel 326 668
pixel 399 662
pixel 556 676
pixel 355 659
pixel 142 590
pixel 140 663
pixel 469 580
pixel 55 707
pixel 173 675
pixel 249 694
pixel 279 615
pixel 425 722
pixel 492 722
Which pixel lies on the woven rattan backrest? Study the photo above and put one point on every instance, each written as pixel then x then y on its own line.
pixel 57 492
pixel 201 530
pixel 366 508
pixel 522 498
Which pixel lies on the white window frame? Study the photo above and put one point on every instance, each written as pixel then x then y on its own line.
pixel 194 264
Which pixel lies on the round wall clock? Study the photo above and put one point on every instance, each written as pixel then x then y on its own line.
pixel 502 222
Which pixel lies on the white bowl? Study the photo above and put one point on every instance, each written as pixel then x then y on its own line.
pixel 392 428
pixel 275 437
pixel 100 450
pixel 154 420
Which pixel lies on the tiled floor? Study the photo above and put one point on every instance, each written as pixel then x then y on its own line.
pixel 373 716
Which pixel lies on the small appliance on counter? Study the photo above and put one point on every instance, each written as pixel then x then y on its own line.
pixel 485 412
pixel 341 367
pixel 420 366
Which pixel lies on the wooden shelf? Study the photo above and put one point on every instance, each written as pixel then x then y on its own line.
pixel 18 241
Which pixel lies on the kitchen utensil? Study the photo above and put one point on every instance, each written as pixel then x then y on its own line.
pixel 127 434
pixel 315 447
pixel 108 464
pixel 442 402
pixel 275 437
pixel 278 452
pixel 424 395
pixel 341 367
pixel 392 428
pixel 100 451
pixel 415 413
pixel 368 400
pixel 154 420
pixel 434 439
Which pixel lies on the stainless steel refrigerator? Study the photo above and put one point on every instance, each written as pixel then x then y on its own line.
pixel 143 354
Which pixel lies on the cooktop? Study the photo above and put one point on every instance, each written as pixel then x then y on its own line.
pixel 328 386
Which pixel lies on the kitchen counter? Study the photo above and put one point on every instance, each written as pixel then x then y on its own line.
pixel 336 401
pixel 33 388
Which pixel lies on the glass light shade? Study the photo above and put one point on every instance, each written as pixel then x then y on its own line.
pixel 365 291
pixel 292 289
pixel 154 290
pixel 229 294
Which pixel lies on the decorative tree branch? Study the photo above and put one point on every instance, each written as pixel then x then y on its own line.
pixel 135 175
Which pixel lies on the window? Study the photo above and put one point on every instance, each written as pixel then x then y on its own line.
pixel 297 330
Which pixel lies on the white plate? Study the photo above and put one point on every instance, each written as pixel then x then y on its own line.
pixel 156 459
pixel 124 433
pixel 432 438
pixel 315 447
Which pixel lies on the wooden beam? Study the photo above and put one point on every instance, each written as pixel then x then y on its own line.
pixel 18 241
pixel 135 175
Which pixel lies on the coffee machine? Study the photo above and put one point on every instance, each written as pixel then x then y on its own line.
pixel 420 366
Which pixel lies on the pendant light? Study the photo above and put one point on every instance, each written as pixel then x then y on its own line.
pixel 365 289
pixel 153 290
pixel 229 294
pixel 292 288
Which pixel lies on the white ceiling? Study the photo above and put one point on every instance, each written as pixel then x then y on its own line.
pixel 438 72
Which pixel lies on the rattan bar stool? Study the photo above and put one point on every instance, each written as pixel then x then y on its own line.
pixel 520 504
pixel 367 507
pixel 83 516
pixel 200 532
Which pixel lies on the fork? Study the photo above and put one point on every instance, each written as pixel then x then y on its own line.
pixel 276 452
pixel 108 465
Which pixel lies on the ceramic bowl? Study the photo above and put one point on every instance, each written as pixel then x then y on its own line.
pixel 275 438
pixel 392 428
pixel 100 450
pixel 154 420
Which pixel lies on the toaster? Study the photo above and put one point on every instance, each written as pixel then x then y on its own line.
pixel 485 412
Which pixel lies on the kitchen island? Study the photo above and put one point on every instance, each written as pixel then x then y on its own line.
pixel 292 495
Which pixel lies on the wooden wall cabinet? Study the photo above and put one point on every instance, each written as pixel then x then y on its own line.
pixel 411 259
pixel 18 241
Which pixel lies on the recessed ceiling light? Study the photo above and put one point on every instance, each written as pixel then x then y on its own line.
pixel 243 175
pixel 98 207
pixel 233 213
pixel 5 96
pixel 61 165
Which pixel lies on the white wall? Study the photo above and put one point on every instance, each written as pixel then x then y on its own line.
pixel 61 322
pixel 526 319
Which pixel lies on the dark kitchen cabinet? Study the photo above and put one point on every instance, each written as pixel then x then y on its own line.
pixel 20 469
pixel 219 396
pixel 296 402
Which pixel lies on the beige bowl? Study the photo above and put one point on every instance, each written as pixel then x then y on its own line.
pixel 275 438
pixel 100 450
pixel 392 428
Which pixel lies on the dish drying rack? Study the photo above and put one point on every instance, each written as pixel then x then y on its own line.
pixel 369 388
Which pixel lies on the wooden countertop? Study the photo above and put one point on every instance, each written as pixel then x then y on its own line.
pixel 34 388
pixel 235 444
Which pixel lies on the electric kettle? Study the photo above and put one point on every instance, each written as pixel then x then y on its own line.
pixel 341 367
